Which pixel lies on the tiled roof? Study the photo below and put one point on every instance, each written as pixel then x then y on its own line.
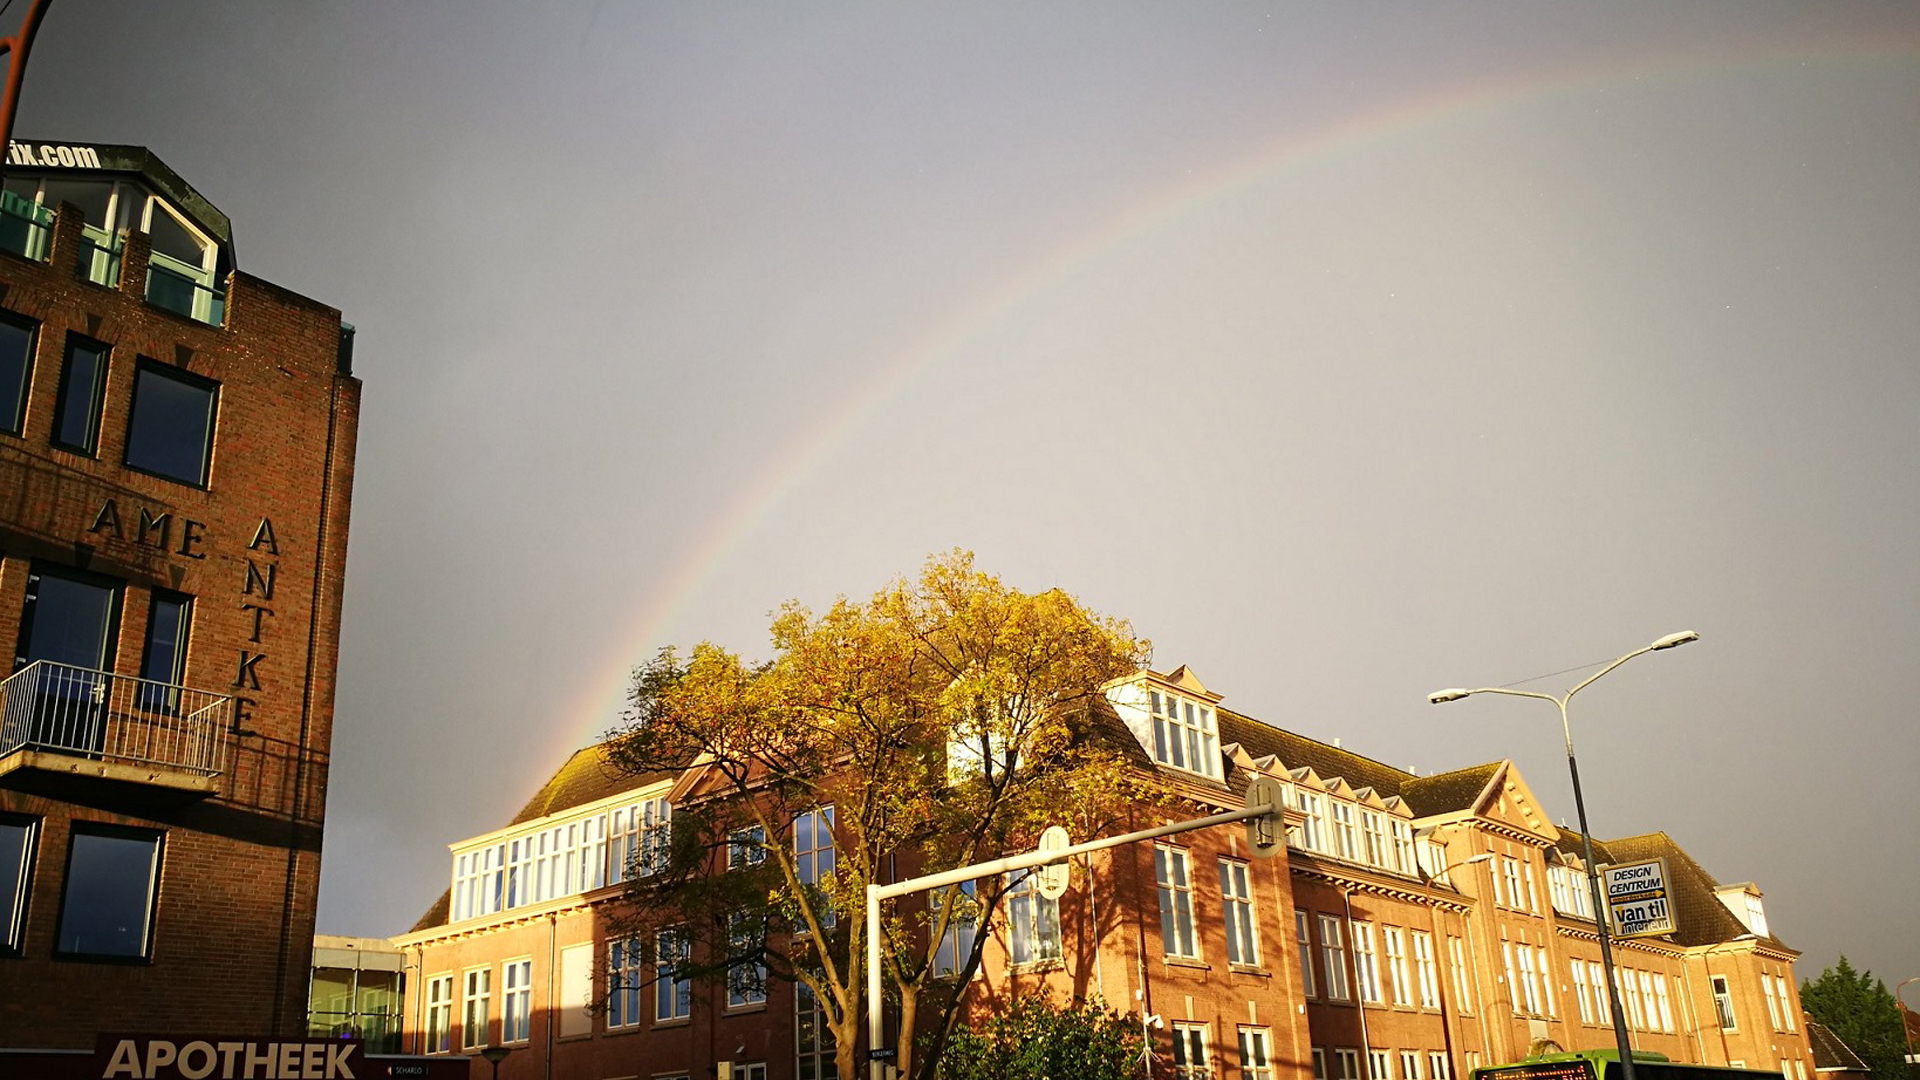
pixel 436 915
pixel 1294 751
pixel 1699 916
pixel 588 776
pixel 1829 1053
pixel 1448 791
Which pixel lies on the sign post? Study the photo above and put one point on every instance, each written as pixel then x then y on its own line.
pixel 1639 902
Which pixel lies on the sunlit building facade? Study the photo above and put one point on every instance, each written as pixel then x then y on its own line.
pixel 176 463
pixel 1411 928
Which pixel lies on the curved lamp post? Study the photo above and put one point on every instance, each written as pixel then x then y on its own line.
pixel 1441 697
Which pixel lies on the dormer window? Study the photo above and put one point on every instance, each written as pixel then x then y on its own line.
pixel 1183 734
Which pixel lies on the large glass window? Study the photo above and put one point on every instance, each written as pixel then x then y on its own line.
pixel 439 1014
pixel 1033 921
pixel 956 945
pixel 1394 941
pixel 746 847
pixel 170 426
pixel 625 975
pixel 1183 734
pixel 1723 1003
pixel 1303 939
pixel 1425 972
pixel 1334 957
pixel 17 836
pixel 516 1016
pixel 16 364
pixel 1366 971
pixel 76 411
pixel 478 997
pixel 1176 902
pixel 812 1038
pixel 747 977
pixel 113 875
pixel 672 996
pixel 164 662
pixel 1236 913
pixel 1254 1062
pixel 1345 838
pixel 1190 1051
pixel 813 858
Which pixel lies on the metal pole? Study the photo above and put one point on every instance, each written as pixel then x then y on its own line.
pixel 1593 890
pixel 877 893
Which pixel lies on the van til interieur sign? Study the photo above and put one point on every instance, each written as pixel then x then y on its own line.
pixel 1639 903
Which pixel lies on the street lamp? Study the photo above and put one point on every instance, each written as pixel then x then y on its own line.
pixel 495 1055
pixel 1446 1031
pixel 1441 697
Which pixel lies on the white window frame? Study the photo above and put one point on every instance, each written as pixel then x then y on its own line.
pixel 1585 1008
pixel 1393 942
pixel 1403 856
pixel 626 974
pixel 1410 1065
pixel 1379 1064
pixel 1303 941
pixel 1333 954
pixel 1457 962
pixel 746 983
pixel 1256 1063
pixel 476 989
pixel 1438 1067
pixel 1033 921
pixel 1426 972
pixel 672 998
pixel 439 1014
pixel 1184 733
pixel 1346 836
pixel 746 847
pixel 1189 1051
pixel 1313 823
pixel 1237 913
pixel 1366 969
pixel 1348 1060
pixel 1373 835
pixel 516 1000
pixel 1175 889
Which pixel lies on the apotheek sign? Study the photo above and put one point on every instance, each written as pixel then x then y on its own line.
pixel 227 1057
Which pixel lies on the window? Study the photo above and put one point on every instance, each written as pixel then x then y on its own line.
pixel 1254 1062
pixel 473 1024
pixel 16 364
pixel 163 664
pixel 575 991
pixel 1349 1062
pixel 1303 938
pixel 672 997
pixel 1236 913
pixel 1183 734
pixel 956 945
pixel 1366 973
pixel 1176 902
pixel 747 975
pixel 113 874
pixel 1319 1064
pixel 83 381
pixel 1394 941
pixel 1533 898
pixel 1723 1003
pixel 637 837
pixel 656 834
pixel 813 858
pixel 1189 1051
pixel 1313 828
pixel 1580 992
pixel 1773 1005
pixel 1403 859
pixel 1033 921
pixel 1373 830
pixel 1786 1003
pixel 17 841
pixel 1409 1065
pixel 1345 840
pixel 1545 975
pixel 1437 1066
pixel 1660 1002
pixel 746 847
pixel 1456 959
pixel 516 1018
pixel 1426 974
pixel 1510 874
pixel 170 425
pixel 626 971
pixel 1378 1065
pixel 1333 955
pixel 439 1014
pixel 813 1039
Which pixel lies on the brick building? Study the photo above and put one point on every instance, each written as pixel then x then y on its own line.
pixel 1411 928
pixel 176 463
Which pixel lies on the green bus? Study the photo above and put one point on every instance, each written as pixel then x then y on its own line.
pixel 1605 1065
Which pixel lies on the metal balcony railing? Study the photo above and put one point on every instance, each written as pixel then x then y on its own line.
pixel 178 287
pixel 25 226
pixel 80 712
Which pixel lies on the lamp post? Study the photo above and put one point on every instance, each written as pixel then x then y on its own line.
pixel 1446 1030
pixel 1906 1029
pixel 495 1055
pixel 1441 697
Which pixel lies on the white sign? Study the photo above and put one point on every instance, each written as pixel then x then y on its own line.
pixel 1639 903
pixel 50 156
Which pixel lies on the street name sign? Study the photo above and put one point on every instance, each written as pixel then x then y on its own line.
pixel 1639 900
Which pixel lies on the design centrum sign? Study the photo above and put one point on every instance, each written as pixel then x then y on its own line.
pixel 1639 902
pixel 227 1057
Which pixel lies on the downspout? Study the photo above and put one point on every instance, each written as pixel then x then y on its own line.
pixel 1359 999
pixel 552 919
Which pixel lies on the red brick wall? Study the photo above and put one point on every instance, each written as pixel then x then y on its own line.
pixel 234 921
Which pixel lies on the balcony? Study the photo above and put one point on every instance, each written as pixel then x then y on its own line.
pixel 67 721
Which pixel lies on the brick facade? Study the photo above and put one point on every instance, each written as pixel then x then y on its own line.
pixel 257 553
pixel 1440 933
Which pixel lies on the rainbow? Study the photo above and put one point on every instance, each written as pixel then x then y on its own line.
pixel 597 707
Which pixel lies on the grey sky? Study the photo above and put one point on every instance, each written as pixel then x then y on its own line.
pixel 1349 350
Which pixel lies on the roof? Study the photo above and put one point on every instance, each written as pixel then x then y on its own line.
pixel 1829 1053
pixel 1448 791
pixel 49 159
pixel 1260 739
pixel 1699 916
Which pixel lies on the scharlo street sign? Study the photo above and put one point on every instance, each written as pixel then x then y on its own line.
pixel 1639 903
